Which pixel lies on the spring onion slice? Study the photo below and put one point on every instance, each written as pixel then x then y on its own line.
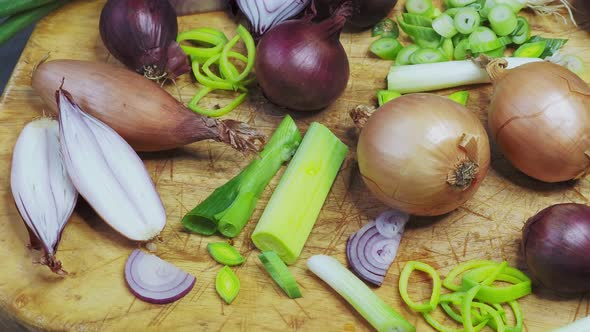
pixel 458 38
pixel 502 20
pixel 227 284
pixel 224 253
pixel 280 273
pixel 496 53
pixel 418 20
pixel 384 96
pixel 385 28
pixel 378 313
pixel 444 26
pixel 466 20
pixel 403 57
pixel 462 50
pixel 419 32
pixel 552 45
pixel 530 50
pixel 386 48
pixel 403 286
pixel 420 7
pixel 427 55
pixel 483 39
pixel 461 97
pixel 522 32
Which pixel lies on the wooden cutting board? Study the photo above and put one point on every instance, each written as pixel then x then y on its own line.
pixel 94 296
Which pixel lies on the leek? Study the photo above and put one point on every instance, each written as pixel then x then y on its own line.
pixel 230 206
pixel 378 313
pixel 280 273
pixel 441 75
pixel 295 205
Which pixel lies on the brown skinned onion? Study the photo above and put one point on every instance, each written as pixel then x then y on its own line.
pixel 540 119
pixel 144 114
pixel 423 154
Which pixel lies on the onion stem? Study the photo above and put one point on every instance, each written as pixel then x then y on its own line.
pixel 441 75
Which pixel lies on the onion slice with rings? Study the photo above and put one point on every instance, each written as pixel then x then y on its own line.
pixel 371 251
pixel 154 280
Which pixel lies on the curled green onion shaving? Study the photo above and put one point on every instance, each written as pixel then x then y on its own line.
pixel 227 284
pixel 466 20
pixel 205 36
pixel 403 286
pixel 502 20
pixel 497 319
pixel 461 268
pixel 194 105
pixel 521 284
pixel 215 60
pixel 385 28
pixel 466 308
pixel 224 253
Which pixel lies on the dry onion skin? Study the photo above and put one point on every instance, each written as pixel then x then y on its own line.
pixel 423 154
pixel 540 119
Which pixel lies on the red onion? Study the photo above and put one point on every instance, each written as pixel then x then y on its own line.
pixel 154 280
pixel 556 247
pixel 366 12
pixel 265 14
pixel 301 65
pixel 372 249
pixel 142 35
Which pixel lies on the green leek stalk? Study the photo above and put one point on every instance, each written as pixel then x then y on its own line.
pixel 230 206
pixel 378 313
pixel 295 205
pixel 442 75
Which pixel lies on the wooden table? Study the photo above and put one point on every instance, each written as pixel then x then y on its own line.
pixel 94 296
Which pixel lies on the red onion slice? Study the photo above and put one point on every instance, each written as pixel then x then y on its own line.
pixel 372 249
pixel 265 14
pixel 391 223
pixel 154 280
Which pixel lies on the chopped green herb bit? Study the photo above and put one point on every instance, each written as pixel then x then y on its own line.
pixel 224 253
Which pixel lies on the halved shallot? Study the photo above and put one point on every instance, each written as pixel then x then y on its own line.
pixel 44 194
pixel 108 173
pixel 154 280
pixel 372 249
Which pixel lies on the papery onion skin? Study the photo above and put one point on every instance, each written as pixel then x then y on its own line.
pixel 301 65
pixel 556 247
pixel 409 147
pixel 142 35
pixel 144 114
pixel 540 119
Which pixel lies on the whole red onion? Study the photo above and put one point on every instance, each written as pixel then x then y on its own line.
pixel 142 35
pixel 556 247
pixel 301 65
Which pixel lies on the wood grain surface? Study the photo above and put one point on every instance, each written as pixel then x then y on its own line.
pixel 94 296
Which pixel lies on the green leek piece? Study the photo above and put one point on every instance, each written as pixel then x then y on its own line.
pixel 448 49
pixel 385 28
pixel 421 35
pixel 461 268
pixel 530 50
pixel 230 206
pixel 466 20
pixel 378 313
pixel 462 50
pixel 458 38
pixel 417 20
pixel 552 45
pixel 403 286
pixel 296 203
pixel 403 57
pixel 280 273
pixel 444 26
pixel 206 36
pixel 224 253
pixel 484 39
pixel 460 96
pixel 522 33
pixel 427 55
pixel 420 7
pixel 227 284
pixel 384 96
pixel 516 5
pixel 386 48
pixel 502 20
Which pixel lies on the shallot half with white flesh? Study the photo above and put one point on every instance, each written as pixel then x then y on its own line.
pixel 371 250
pixel 44 194
pixel 108 173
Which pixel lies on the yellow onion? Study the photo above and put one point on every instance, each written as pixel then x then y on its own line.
pixel 423 154
pixel 540 119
